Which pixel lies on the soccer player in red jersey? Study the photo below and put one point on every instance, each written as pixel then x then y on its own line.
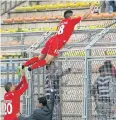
pixel 57 41
pixel 12 98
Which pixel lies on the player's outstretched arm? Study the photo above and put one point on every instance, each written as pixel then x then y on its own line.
pixel 24 83
pixel 20 83
pixel 88 12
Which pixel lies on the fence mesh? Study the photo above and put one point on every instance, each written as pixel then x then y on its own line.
pixel 70 98
pixel 102 79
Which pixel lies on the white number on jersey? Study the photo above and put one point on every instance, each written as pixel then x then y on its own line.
pixel 8 108
pixel 61 30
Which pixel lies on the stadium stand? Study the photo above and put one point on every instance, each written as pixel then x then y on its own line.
pixel 55 18
pixel 55 6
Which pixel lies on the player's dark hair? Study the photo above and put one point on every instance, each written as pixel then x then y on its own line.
pixel 43 100
pixel 66 13
pixel 8 86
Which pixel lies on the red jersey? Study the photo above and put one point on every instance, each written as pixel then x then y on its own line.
pixel 12 100
pixel 66 28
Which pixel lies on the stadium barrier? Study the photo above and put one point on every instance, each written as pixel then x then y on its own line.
pixel 76 100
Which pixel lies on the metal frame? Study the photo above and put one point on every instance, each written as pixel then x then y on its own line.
pixel 11 6
pixel 99 36
pixel 71 46
pixel 40 33
pixel 88 57
pixel 93 44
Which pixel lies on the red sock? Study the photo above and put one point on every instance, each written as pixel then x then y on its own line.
pixel 38 64
pixel 31 61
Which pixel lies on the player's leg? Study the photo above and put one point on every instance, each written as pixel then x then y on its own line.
pixel 41 63
pixel 33 60
pixel 41 56
pixel 52 52
pixel 30 61
pixel 54 47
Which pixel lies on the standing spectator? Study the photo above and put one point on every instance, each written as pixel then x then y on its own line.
pixel 103 6
pixel 44 110
pixel 113 4
pixel 109 7
pixel 104 92
pixel 106 6
pixel 52 81
pixel 110 68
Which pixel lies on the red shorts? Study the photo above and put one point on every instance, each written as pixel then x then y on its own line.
pixel 52 46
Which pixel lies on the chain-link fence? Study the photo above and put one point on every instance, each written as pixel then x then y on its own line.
pixel 75 93
pixel 100 77
pixel 100 84
pixel 66 77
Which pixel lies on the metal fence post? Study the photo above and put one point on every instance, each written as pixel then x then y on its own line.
pixel 60 92
pixel 29 92
pixel 85 115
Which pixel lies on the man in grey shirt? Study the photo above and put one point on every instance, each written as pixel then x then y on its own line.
pixel 104 92
pixel 52 80
pixel 44 110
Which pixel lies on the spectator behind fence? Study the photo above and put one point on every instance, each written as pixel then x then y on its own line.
pixel 106 6
pixel 104 92
pixel 44 110
pixel 113 4
pixel 110 68
pixel 52 79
